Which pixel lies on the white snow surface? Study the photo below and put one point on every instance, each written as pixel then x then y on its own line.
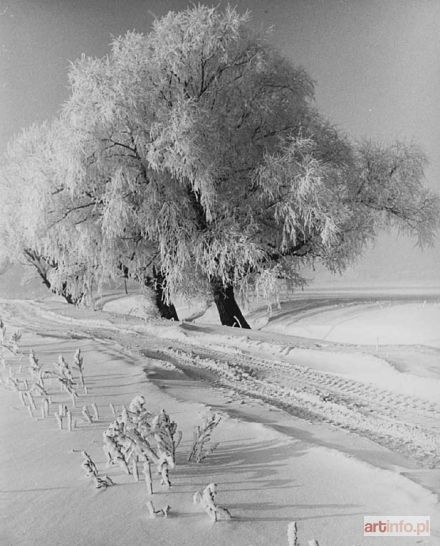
pixel 379 323
pixel 321 424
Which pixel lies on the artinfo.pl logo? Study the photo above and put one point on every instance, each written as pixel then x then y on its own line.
pixel 397 526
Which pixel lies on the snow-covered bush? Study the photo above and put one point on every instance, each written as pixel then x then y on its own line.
pixel 138 434
pixel 206 499
pixel 201 447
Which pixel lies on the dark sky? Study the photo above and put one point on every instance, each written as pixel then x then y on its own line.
pixel 376 63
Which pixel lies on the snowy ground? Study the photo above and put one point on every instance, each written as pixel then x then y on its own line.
pixel 330 412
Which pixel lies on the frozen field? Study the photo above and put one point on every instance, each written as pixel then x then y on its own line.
pixel 330 411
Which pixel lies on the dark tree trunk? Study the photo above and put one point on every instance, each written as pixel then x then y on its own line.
pixel 43 268
pixel 67 295
pixel 157 283
pixel 228 309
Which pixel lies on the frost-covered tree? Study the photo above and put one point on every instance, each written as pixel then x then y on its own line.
pixel 193 159
pixel 33 201
pixel 205 148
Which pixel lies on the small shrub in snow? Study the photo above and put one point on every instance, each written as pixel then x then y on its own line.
pixel 161 512
pixel 137 433
pixel 202 438
pixel 206 499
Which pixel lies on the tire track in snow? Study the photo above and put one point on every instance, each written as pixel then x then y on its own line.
pixel 403 423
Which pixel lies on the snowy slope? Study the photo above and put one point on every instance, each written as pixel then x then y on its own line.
pixel 272 466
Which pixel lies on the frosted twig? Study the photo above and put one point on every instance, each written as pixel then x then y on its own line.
pixel 113 450
pixel 134 468
pixel 31 400
pixel 88 465
pixel 146 469
pixel 33 363
pixel 78 362
pixel 69 420
pixel 63 368
pixel 46 407
pixel 95 411
pixel 39 389
pixel 102 483
pixel 86 414
pixel 162 468
pixel 59 419
pixel 202 436
pixel 292 534
pixel 13 383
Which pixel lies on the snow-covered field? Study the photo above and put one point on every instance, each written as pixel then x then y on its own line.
pixel 330 411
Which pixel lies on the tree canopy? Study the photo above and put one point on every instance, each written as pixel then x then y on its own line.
pixel 196 151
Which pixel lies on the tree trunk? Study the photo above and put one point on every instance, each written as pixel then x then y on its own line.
pixel 42 268
pixel 157 283
pixel 64 292
pixel 228 309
